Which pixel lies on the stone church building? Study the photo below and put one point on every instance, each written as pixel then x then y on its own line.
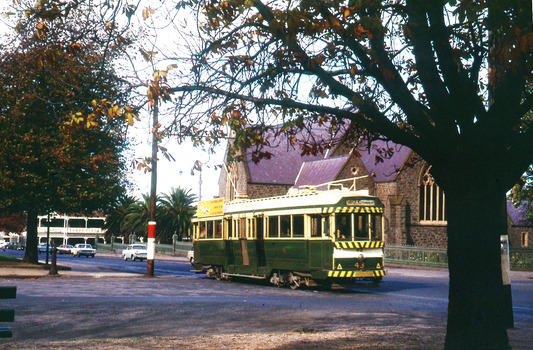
pixel 415 206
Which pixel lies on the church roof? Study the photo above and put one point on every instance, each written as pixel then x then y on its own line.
pixel 283 167
pixel 320 171
pixel 384 158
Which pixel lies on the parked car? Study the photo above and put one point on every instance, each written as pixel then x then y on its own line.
pixel 14 246
pixel 41 248
pixel 134 252
pixel 81 249
pixel 64 249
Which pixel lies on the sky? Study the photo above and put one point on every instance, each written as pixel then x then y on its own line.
pixel 174 173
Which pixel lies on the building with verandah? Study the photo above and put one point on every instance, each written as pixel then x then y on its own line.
pixel 70 229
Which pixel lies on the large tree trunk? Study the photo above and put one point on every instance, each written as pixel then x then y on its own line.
pixel 479 307
pixel 31 256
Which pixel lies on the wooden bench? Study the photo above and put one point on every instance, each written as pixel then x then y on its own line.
pixel 7 315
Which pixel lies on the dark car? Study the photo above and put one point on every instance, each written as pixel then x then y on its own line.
pixel 41 248
pixel 14 246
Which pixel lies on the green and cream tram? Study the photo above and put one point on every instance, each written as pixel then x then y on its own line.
pixel 308 238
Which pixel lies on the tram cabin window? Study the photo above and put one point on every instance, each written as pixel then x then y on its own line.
pixel 376 228
pixel 343 227
pixel 361 226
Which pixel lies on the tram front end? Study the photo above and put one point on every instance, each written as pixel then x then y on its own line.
pixel 357 260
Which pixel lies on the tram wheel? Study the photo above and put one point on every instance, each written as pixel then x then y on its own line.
pixel 218 273
pixel 294 281
pixel 275 279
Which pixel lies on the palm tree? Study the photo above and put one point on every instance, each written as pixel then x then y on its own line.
pixel 115 220
pixel 177 210
pixel 136 220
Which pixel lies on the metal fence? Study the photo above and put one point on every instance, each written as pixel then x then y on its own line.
pixel 414 255
pixel 520 258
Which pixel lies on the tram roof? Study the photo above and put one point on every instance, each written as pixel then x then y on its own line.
pixel 298 200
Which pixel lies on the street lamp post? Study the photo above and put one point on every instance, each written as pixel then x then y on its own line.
pixel 153 194
pixel 47 236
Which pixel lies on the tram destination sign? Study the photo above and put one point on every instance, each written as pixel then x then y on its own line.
pixel 211 208
pixel 360 202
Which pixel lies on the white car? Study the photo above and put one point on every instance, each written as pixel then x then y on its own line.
pixel 64 249
pixel 83 249
pixel 134 252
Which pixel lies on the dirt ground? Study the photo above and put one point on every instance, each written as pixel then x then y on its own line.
pixel 304 339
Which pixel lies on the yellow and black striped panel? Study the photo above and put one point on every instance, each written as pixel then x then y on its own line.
pixel 359 245
pixel 355 274
pixel 330 210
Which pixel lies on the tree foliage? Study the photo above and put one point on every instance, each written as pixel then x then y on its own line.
pixel 174 212
pixel 12 222
pixel 115 221
pixel 177 211
pixel 522 192
pixel 449 79
pixel 136 221
pixel 62 128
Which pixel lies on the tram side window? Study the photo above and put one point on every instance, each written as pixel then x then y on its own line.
pixel 316 226
pixel 202 231
pixel 319 226
pixel 273 226
pixel 230 227
pixel 343 227
pixel 297 225
pixel 209 229
pixel 236 228
pixel 250 228
pixel 285 225
pixel 361 226
pixel 259 226
pixel 195 230
pixel 218 229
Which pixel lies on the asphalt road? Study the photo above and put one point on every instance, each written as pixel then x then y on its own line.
pixel 178 303
pixel 104 261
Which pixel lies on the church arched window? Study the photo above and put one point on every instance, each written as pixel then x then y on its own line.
pixel 432 200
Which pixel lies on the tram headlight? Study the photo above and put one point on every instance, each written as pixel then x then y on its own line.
pixel 361 258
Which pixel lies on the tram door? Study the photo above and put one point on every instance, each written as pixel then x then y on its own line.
pixel 260 242
pixel 229 242
pixel 244 242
